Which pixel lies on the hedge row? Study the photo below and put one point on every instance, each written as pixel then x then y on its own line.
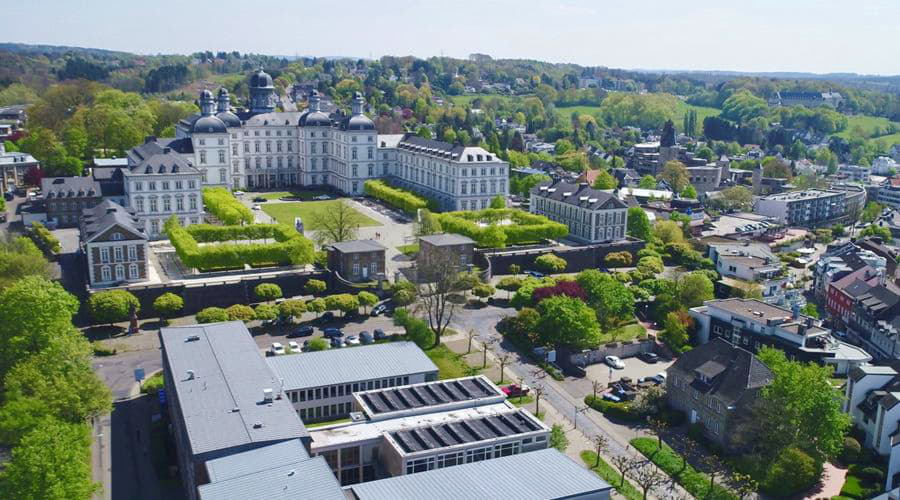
pixel 695 482
pixel 525 227
pixel 221 203
pixel 404 200
pixel 290 247
pixel 621 411
pixel 44 238
pixel 207 233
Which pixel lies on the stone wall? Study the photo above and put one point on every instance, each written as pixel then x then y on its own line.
pixel 622 350
pixel 577 258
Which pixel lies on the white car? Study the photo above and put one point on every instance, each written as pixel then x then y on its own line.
pixel 351 340
pixel 615 362
pixel 295 347
pixel 322 197
pixel 256 207
pixel 277 348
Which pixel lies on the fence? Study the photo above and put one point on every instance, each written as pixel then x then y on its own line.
pixel 620 349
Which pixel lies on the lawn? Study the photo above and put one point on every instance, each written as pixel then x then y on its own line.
pixel 864 126
pixel 303 195
pixel 626 332
pixel 702 112
pixel 409 249
pixel 695 482
pixel 286 212
pixel 327 422
pixel 611 476
pixel 468 98
pixel 450 364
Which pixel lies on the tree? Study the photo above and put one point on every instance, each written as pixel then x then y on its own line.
pixel 20 257
pixel 417 330
pixel 743 485
pixel 314 287
pixel 50 462
pixel 470 336
pixel 212 315
pixel 440 280
pixel 550 263
pixel 265 312
pixel 498 201
pixel 112 306
pixel 567 321
pixel 240 312
pixel 538 390
pixel 558 438
pixel 791 471
pixel 734 198
pixel 647 476
pixel 605 180
pixel 510 284
pixel 515 269
pixel 340 222
pixel 675 332
pixel 317 344
pixel 675 174
pixel 639 224
pixel 483 290
pixel 427 224
pixel 775 168
pixel 317 306
pixel 647 182
pixel 694 289
pixel 267 291
pixel 624 463
pixel 292 308
pixel 367 300
pixel 504 359
pixel 168 305
pixel 602 444
pixel 611 299
pixel 877 231
pixel 668 231
pixel 810 310
pixel 689 192
pixel 18 93
pixel 343 302
pixel 871 212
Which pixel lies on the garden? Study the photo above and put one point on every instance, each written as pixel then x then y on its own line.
pixel 309 211
pixel 216 253
pixel 499 227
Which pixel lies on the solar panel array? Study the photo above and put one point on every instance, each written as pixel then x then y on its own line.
pixel 464 432
pixel 424 395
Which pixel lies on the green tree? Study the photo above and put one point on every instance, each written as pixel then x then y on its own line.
pixel 510 284
pixel 418 331
pixel 564 146
pixel 675 174
pixel 483 290
pixel 343 302
pixel 689 192
pixel 317 306
pixel 647 182
pixel 292 308
pixel 877 231
pixel 639 224
pixel 493 237
pixel 567 321
pixel 112 306
pixel 340 222
pixel 733 198
pixel 871 212
pixel 240 312
pixel 558 438
pixel 20 257
pixel 675 332
pixel 317 344
pixel 427 224
pixel 265 312
pixel 51 462
pixel 514 269
pixel 314 287
pixel 168 305
pixel 791 472
pixel 605 180
pixel 810 310
pixel 773 167
pixel 668 231
pixel 18 93
pixel 613 302
pixel 267 291
pixel 550 263
pixel 694 288
pixel 212 315
pixel 367 300
pixel 498 201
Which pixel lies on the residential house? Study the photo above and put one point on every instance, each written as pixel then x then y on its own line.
pixel 13 166
pixel 872 394
pixel 67 197
pixel 444 249
pixel 874 321
pixel 114 244
pixel 357 260
pixel 842 293
pixel 592 216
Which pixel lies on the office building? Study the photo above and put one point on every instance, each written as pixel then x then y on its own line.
pixel 593 216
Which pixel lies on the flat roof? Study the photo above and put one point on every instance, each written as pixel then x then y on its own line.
pixel 352 364
pixel 750 308
pixel 248 462
pixel 221 399
pixel 537 475
pixel 394 400
pixel 309 478
pixel 808 194
pixel 465 431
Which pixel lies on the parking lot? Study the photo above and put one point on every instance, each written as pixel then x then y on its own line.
pixel 600 372
pixel 266 335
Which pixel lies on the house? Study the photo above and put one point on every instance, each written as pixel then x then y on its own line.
pixel 754 324
pixel 889 192
pixel 884 165
pixel 741 263
pixel 855 173
pixel 874 321
pixel 13 166
pixel 592 215
pixel 716 385
pixel 320 384
pixel 842 293
pixel 841 259
pixel 114 244
pixel 357 260
pixel 872 394
pixel 67 197
pixel 441 249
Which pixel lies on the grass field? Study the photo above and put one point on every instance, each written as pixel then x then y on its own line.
pixel 450 364
pixel 303 195
pixel 409 249
pixel 864 126
pixel 626 332
pixel 286 212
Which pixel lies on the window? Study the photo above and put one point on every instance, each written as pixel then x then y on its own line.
pixel 154 226
pixel 353 155
pixel 167 204
pixel 133 272
pixel 138 186
pixel 104 254
pixel 268 146
pixel 153 205
pixel 221 156
pixel 178 185
pixel 193 202
pixel 234 149
pixel 246 147
pixel 179 204
pixel 191 184
pixel 202 157
pixel 105 274
pixel 120 272
pixel 132 252
pixel 202 142
pixel 152 185
pixel 222 175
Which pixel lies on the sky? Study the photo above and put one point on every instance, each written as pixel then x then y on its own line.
pixel 822 36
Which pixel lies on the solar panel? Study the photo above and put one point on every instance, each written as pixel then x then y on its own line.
pixel 459 433
pixel 481 385
pixel 425 440
pixel 439 437
pixel 464 390
pixel 494 427
pixel 472 430
pixel 403 441
pixel 524 421
pixel 409 398
pixel 422 395
pixel 509 422
pixel 387 401
pixel 483 430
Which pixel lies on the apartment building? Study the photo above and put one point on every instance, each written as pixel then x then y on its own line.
pixel 871 396
pixel 855 173
pixel 874 320
pixel 65 198
pixel 889 192
pixel 320 385
pixel 804 208
pixel 592 216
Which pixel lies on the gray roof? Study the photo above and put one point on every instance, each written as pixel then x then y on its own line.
pixel 105 215
pixel 474 430
pixel 447 239
pixel 358 246
pixel 732 372
pixel 306 479
pixel 352 364
pixel 314 119
pixel 209 125
pixel 429 394
pixel 69 187
pixel 542 474
pixel 110 162
pixel 580 195
pixel 248 462
pixel 357 122
pixel 158 156
pixel 280 118
pixel 228 373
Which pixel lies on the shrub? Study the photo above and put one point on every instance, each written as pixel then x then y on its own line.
pixel 404 200
pixel 618 259
pixel 792 471
pixel 550 263
pixel 317 344
pixel 622 411
pixel 850 453
pixel 315 286
pixel 872 474
pixel 265 311
pixel 168 305
pixel 221 203
pixel 292 308
pixel 558 438
pixel 212 315
pixel 153 384
pixel 695 482
pixel 525 227
pixel 650 265
pixel 102 349
pixel 240 312
pixel 267 291
pixel 112 306
pixel 404 297
pixel 44 238
pixel 567 288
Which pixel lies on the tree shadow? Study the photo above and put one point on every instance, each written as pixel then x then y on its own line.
pixel 104 332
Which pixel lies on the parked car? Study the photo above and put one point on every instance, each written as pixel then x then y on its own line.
pixel 379 334
pixel 327 316
pixel 259 199
pixel 611 397
pixel 648 357
pixel 256 206
pixel 295 347
pixel 366 338
pixel 277 348
pixel 337 342
pixel 383 308
pixel 9 196
pixel 534 274
pixel 351 340
pixel 332 333
pixel 302 331
pixel 514 390
pixel 322 197
pixel 615 362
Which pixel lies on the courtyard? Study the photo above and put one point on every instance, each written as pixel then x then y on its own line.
pixel 286 212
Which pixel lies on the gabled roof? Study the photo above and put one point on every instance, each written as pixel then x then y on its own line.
pixel 730 370
pixel 106 215
pixel 303 479
pixel 580 195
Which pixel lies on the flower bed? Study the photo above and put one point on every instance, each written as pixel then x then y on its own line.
pixel 499 227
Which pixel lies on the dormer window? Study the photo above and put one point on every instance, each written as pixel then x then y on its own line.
pixel 469 157
pixel 117 237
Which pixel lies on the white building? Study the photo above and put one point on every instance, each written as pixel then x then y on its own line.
pixel 855 173
pixel 871 399
pixel 803 208
pixel 115 245
pixel 592 215
pixel 884 165
pixel 889 192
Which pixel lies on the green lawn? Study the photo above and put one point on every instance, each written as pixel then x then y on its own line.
pixel 468 98
pixel 303 195
pixel 327 422
pixel 286 212
pixel 409 249
pixel 609 474
pixel 702 112
pixel 864 126
pixel 450 364
pixel 695 482
pixel 626 332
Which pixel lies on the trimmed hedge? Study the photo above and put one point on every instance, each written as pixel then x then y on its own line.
pixel 44 238
pixel 289 247
pixel 221 203
pixel 525 227
pixel 695 482
pixel 611 408
pixel 404 200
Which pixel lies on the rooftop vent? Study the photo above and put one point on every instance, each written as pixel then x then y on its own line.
pixel 567 193
pixel 257 425
pixel 190 374
pixel 582 198
pixel 190 338
pixel 267 395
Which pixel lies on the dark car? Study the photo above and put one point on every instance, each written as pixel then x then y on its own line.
pixel 366 338
pixel 648 357
pixel 379 334
pixel 259 199
pixel 337 342
pixel 332 333
pixel 327 316
pixel 303 331
pixel 9 196
pixel 535 274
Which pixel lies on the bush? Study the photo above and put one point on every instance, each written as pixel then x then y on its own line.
pixel 404 200
pixel 317 344
pixel 550 263
pixel 153 384
pixel 525 227
pixel 267 291
pixel 221 203
pixel 791 472
pixel 622 411
pixel 650 265
pixel 168 305
pixel 212 315
pixel 314 287
pixel 102 349
pixel 240 312
pixel 44 238
pixel 872 474
pixel 343 302
pixel 618 259
pixel 265 311
pixel 112 306
pixel 850 453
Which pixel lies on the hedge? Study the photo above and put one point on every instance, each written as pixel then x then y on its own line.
pixel 696 483
pixel 221 203
pixel 289 247
pixel 44 238
pixel 404 200
pixel 611 408
pixel 525 227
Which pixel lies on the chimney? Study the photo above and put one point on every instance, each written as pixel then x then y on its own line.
pixel 795 310
pixel 267 395
pixel 190 374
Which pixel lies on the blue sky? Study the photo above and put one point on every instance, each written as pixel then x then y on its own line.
pixel 750 35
